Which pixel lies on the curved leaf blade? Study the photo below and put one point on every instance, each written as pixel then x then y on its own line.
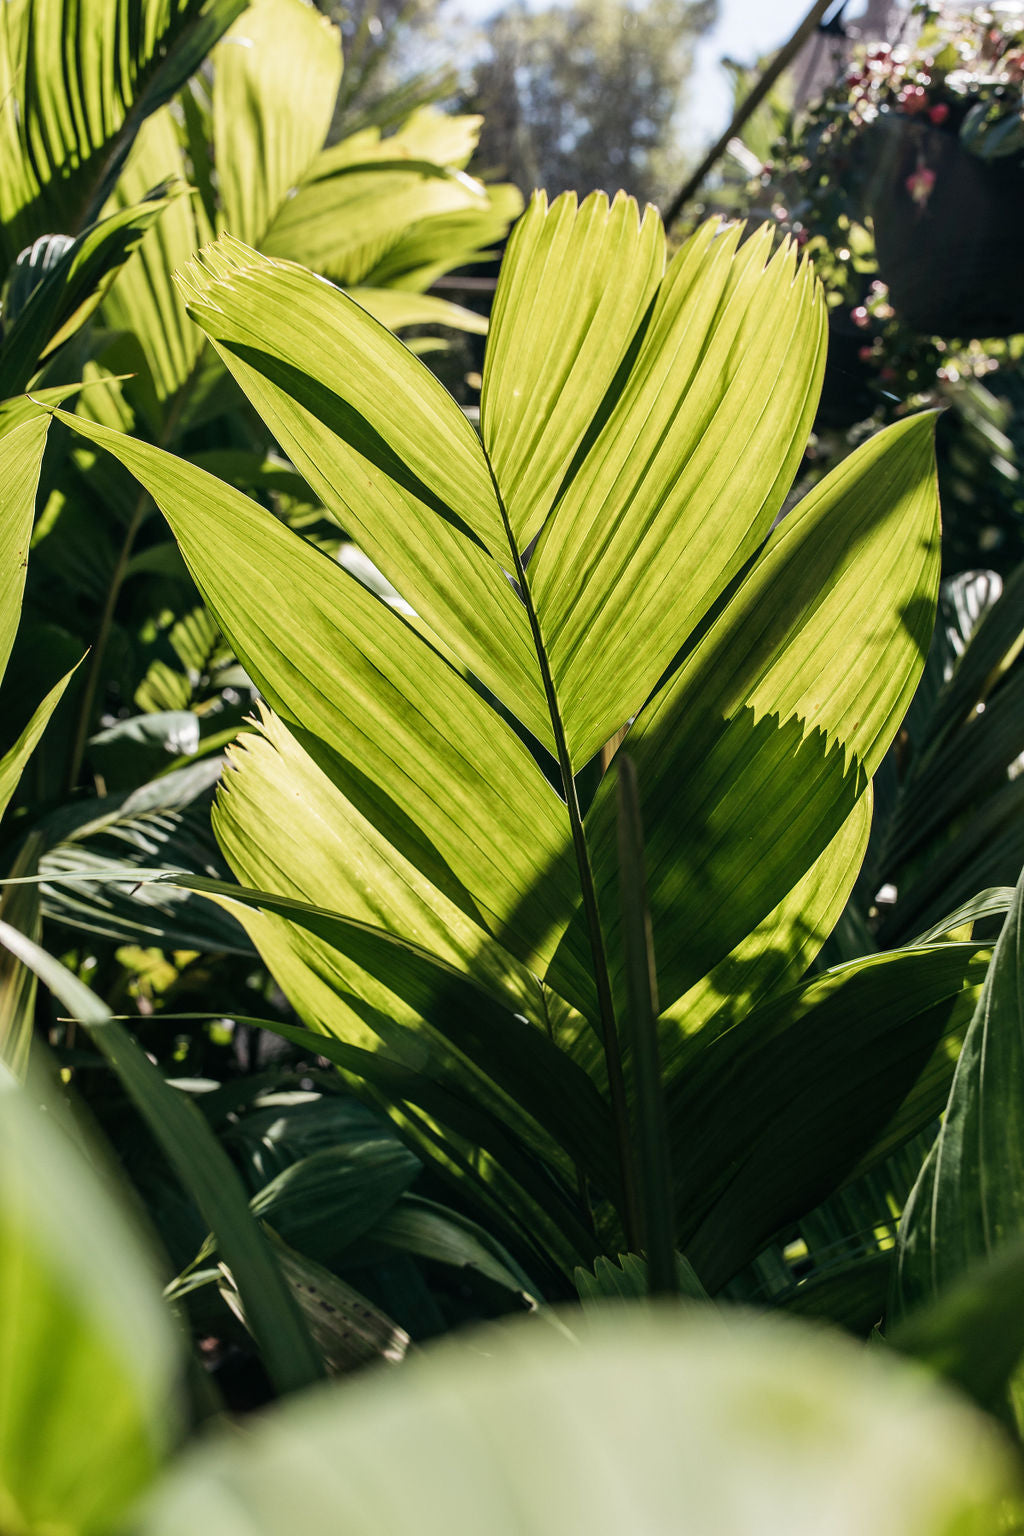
pixel 650 1422
pixel 779 717
pixel 968 1203
pixel 809 1091
pixel 82 1308
pixel 275 82
pixel 573 291
pixel 655 521
pixel 202 1166
pixel 375 704
pixel 384 447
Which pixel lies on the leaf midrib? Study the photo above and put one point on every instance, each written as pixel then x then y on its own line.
pixel 606 1021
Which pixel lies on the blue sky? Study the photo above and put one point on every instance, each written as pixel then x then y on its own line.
pixel 745 29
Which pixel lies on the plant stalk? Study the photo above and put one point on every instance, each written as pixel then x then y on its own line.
pixel 656 1202
pixel 99 647
pixel 607 1024
pixel 114 592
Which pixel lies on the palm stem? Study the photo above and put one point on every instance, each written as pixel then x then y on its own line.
pixel 606 1007
pixel 99 646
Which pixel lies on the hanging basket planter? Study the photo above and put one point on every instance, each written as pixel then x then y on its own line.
pixel 949 230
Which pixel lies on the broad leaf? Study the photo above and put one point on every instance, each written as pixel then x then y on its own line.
pixel 21 453
pixel 809 1090
pixel 779 717
pixel 276 77
pixel 364 221
pixel 776 952
pixel 76 81
pixel 456 811
pixel 972 1331
pixel 327 1201
pixel 89 1357
pixel 66 290
pixel 431 1231
pixel 144 302
pixel 436 1117
pixel 386 450
pixel 596 269
pixel 645 1423
pixel 727 370
pixel 431 1016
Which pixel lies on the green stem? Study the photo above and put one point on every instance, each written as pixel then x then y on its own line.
pixel 99 646
pixel 606 1008
pixel 656 1204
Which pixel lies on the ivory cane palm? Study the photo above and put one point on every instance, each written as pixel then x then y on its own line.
pixel 426 882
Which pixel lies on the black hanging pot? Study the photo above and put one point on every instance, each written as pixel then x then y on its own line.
pixel 949 230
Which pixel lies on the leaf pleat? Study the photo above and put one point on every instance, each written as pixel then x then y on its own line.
pixel 473 812
pixel 826 636
pixel 428 1101
pixel 352 221
pixel 438 1021
pixel 786 1105
pixel 277 54
pixel 144 301
pixel 430 247
pixel 21 451
pixel 77 78
pixel 728 371
pixel 573 289
pixel 334 857
pixel 776 952
pixel 385 448
pixel 968 1202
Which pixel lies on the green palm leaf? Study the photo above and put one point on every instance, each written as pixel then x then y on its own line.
pixel 276 78
pixel 607 524
pixel 76 82
pixel 81 1302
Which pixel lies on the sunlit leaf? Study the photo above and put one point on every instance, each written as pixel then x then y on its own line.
pixel 279 54
pixel 89 1357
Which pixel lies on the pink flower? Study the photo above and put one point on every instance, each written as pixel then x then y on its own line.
pixel 939 113
pixel 860 316
pixel 920 185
